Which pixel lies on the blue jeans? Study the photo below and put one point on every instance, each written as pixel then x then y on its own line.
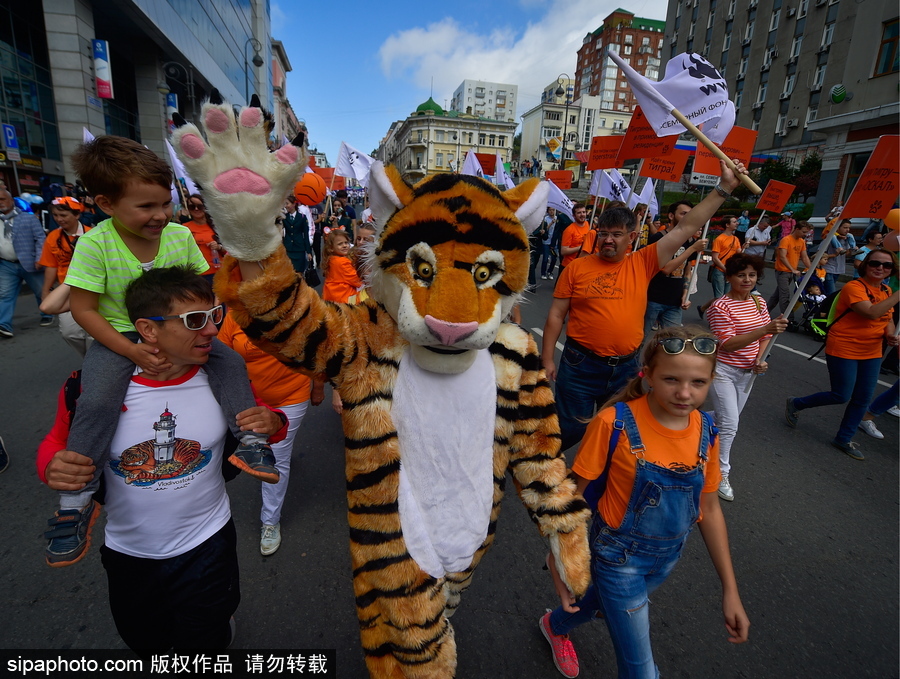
pixel 851 380
pixel 584 383
pixel 663 315
pixel 831 280
pixel 548 261
pixel 11 276
pixel 719 284
pixel 886 400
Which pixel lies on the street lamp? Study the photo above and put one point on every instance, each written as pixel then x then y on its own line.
pixel 173 70
pixel 563 78
pixel 257 61
pixel 456 138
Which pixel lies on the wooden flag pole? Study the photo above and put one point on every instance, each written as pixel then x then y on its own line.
pixel 823 246
pixel 603 207
pixel 637 174
pixel 715 150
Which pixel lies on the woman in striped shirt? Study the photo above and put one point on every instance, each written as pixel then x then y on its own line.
pixel 741 323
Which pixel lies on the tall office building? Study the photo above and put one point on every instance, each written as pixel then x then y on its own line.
pixel 637 40
pixel 496 101
pixel 807 74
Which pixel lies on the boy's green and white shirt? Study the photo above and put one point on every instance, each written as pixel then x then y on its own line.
pixel 102 263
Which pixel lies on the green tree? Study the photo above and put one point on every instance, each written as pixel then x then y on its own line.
pixel 811 165
pixel 777 169
pixel 517 146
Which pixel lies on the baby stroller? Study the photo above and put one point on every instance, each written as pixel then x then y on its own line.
pixel 815 314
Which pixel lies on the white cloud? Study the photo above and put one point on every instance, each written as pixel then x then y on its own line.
pixel 531 58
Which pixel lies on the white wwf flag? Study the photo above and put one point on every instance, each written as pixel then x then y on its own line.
pixel 557 199
pixel 472 166
pixel 594 189
pixel 606 187
pixel 86 135
pixel 619 188
pixel 353 163
pixel 180 173
pixel 648 196
pixel 645 196
pixel 691 85
pixel 500 176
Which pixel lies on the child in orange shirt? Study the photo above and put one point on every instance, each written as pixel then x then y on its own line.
pixel 649 468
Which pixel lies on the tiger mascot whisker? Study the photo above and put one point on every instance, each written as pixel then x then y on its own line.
pixel 441 396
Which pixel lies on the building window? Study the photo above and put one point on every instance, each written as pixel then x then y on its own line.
pixel 789 83
pixel 419 160
pixel 711 19
pixel 439 135
pixel 621 95
pixel 761 92
pixel 602 122
pixel 492 139
pixel 572 119
pixel 618 125
pixel 552 115
pixel 501 141
pixel 779 124
pixel 726 43
pixel 439 160
pixel 888 60
pixel 627 49
pixel 811 114
pixel 801 8
pixel 754 125
pixel 738 97
pixel 470 137
pixel 481 139
pixel 731 6
pixel 419 135
pixel 645 41
pixel 819 77
pixel 773 22
pixel 748 31
pixel 629 39
pixel 795 46
pixel 742 69
pixel 827 34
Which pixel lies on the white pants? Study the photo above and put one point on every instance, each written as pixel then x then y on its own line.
pixel 273 493
pixel 728 397
pixel 74 335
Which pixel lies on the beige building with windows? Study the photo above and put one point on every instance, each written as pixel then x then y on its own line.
pixel 432 141
pixel 807 74
pixel 496 101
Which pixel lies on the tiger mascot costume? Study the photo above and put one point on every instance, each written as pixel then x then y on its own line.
pixel 440 396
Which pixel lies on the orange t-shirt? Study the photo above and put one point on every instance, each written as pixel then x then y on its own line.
pixel 794 247
pixel 203 236
pixel 573 237
pixel 57 252
pixel 663 447
pixel 726 247
pixel 274 383
pixel 607 300
pixel 341 280
pixel 855 336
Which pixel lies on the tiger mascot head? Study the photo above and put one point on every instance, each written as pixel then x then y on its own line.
pixel 450 259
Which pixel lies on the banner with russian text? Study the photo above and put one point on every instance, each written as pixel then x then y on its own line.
pixel 102 69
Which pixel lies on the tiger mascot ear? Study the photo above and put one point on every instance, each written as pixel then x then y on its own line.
pixel 388 192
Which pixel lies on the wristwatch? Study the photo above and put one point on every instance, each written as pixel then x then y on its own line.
pixel 722 192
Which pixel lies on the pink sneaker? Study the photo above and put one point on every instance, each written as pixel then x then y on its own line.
pixel 564 656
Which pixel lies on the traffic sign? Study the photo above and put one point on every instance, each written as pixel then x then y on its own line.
pixel 9 137
pixel 13 154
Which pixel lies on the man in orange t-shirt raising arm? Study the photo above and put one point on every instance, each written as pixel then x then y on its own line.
pixel 572 237
pixel 604 296
pixel 791 251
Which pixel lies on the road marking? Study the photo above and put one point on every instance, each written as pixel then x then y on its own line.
pixel 819 360
pixel 540 333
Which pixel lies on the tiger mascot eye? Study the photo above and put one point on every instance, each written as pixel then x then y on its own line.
pixel 441 396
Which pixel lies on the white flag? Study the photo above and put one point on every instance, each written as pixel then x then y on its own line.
pixel 619 188
pixel 500 176
pixel 693 86
pixel 86 135
pixel 594 189
pixel 353 163
pixel 180 174
pixel 606 186
pixel 557 199
pixel 646 195
pixel 472 166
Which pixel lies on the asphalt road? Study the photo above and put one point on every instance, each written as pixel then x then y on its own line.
pixel 814 536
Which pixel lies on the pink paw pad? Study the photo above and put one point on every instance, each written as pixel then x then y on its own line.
pixel 242 180
pixel 250 117
pixel 193 146
pixel 288 154
pixel 216 121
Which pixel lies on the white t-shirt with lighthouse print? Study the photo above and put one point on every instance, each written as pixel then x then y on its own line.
pixel 164 488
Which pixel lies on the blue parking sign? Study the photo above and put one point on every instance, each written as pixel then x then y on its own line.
pixel 10 140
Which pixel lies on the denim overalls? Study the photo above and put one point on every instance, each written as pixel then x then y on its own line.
pixel 628 563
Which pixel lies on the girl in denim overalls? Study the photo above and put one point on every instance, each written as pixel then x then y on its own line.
pixel 646 501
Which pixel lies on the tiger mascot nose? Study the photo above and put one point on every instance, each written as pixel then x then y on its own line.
pixel 450 333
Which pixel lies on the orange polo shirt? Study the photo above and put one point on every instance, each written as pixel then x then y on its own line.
pixel 573 237
pixel 794 247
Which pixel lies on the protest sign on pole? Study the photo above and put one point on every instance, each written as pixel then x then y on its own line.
pixel 738 144
pixel 776 196
pixel 561 178
pixel 876 189
pixel 603 153
pixel 641 140
pixel 669 169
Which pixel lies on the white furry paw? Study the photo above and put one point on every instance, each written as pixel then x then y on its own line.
pixel 244 185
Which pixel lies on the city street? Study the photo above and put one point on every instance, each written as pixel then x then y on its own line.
pixel 814 537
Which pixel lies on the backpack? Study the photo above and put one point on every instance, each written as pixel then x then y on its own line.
pixel 624 422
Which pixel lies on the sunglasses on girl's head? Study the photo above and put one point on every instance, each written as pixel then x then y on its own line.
pixel 195 320
pixel 877 262
pixel 702 345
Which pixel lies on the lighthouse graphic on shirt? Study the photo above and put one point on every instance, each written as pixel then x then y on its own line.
pixel 165 456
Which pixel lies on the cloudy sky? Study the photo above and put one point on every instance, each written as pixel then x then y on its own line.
pixel 360 65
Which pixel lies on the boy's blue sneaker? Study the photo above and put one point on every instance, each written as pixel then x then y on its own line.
pixel 70 535
pixel 256 459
